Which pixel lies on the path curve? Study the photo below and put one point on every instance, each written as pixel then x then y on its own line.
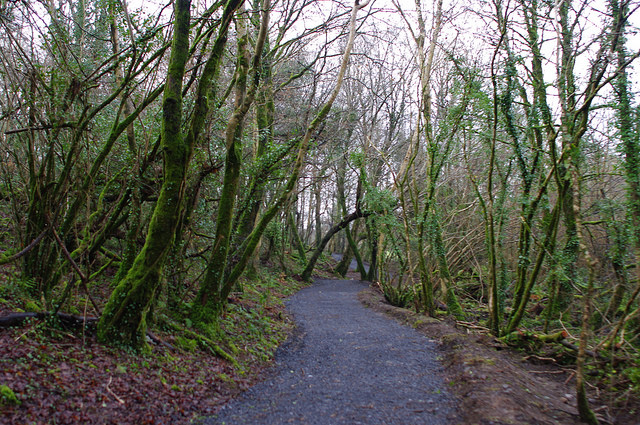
pixel 346 364
pixel 353 265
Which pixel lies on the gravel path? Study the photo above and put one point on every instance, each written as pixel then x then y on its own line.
pixel 353 265
pixel 346 365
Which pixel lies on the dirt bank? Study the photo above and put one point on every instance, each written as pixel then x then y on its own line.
pixel 494 384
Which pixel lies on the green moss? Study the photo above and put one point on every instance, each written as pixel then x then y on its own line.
pixel 8 397
pixel 224 377
pixel 233 347
pixel 186 344
pixel 32 306
pixel 474 360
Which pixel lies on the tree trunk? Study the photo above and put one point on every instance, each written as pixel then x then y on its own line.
pixel 306 274
pixel 586 414
pixel 265 111
pixel 297 241
pixel 123 321
pixel 352 246
pixel 211 298
pixel 342 268
pixel 248 246
pixel 317 208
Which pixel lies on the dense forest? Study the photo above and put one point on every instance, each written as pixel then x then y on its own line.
pixel 479 160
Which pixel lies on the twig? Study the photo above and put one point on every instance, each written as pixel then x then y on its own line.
pixel 571 375
pixel 565 328
pixel 22 334
pixel 608 420
pixel 84 324
pixel 588 352
pixel 121 401
pixel 41 128
pixel 472 326
pixel 160 341
pixel 67 255
pixel 533 356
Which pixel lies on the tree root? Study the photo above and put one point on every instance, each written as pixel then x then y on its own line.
pixel 205 342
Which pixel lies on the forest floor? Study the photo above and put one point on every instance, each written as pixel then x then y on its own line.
pixel 65 377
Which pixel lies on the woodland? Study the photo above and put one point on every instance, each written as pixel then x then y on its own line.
pixel 479 160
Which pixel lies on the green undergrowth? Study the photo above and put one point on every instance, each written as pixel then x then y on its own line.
pixel 251 327
pixel 254 323
pixel 8 397
pixel 398 295
pixel 15 293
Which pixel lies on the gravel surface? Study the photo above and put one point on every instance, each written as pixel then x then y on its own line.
pixel 353 265
pixel 346 364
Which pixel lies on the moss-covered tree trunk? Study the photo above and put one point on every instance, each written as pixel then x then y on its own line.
pixel 297 240
pixel 135 210
pixel 352 247
pixel 317 210
pixel 247 248
pixel 210 299
pixel 345 262
pixel 123 321
pixel 586 414
pixel 628 125
pixel 436 151
pixel 265 112
pixel 567 89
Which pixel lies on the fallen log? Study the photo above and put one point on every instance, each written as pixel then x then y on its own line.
pixel 18 319
pixel 589 353
pixel 558 337
pixel 69 320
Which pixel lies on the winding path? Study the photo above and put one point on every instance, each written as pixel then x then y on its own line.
pixel 345 365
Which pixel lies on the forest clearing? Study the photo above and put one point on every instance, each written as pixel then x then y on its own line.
pixel 171 171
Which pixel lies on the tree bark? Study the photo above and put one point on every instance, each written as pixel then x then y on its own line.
pixel 123 321
pixel 210 298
